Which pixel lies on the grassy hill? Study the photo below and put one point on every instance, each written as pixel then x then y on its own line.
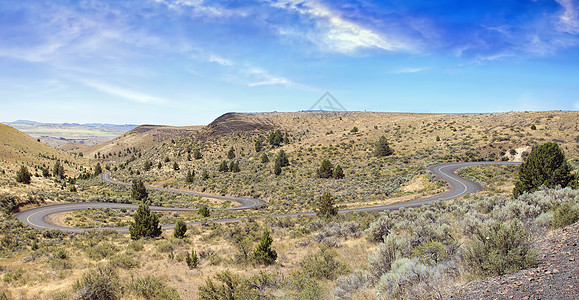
pixel 136 140
pixel 18 148
pixel 346 139
pixel 409 253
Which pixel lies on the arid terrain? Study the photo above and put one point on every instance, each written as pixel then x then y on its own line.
pixel 411 253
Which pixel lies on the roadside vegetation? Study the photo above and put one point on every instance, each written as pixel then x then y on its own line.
pixel 313 162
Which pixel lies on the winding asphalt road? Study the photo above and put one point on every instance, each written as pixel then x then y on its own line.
pixel 458 187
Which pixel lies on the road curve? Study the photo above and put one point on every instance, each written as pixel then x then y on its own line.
pixel 458 187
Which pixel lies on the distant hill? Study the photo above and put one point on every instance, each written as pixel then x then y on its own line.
pixel 58 134
pixel 138 139
pixel 18 148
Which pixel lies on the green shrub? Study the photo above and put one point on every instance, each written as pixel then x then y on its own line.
pixel 151 287
pixel 124 261
pixel 101 251
pixel 430 253
pixel 101 283
pixel 136 245
pixel 503 248
pixel 565 215
pixel 323 264
pixel 192 259
pixel 22 175
pixel 204 211
pixel 326 206
pixel 180 229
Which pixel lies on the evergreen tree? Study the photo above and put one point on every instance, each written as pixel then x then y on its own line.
pixel 546 165
pixel 147 166
pixel 138 190
pixel 264 254
pixel 382 147
pixel 326 206
pixel 98 169
pixel 197 154
pixel 326 169
pixel 338 172
pixel 190 176
pixel 188 156
pixel 145 225
pixel 180 229
pixel 223 167
pixel 277 168
pixel 275 138
pixel 22 175
pixel 58 170
pixel 159 165
pixel 234 167
pixel 205 175
pixel 192 259
pixel 175 166
pixel 204 211
pixel 258 146
pixel 282 159
pixel 231 153
pixel 264 158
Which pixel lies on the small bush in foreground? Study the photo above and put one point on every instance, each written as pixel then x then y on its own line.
pixel 565 215
pixel 101 283
pixel 503 248
pixel 150 287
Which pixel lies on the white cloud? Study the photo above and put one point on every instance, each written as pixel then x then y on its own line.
pixel 199 9
pixel 569 20
pixel 335 33
pixel 123 92
pixel 411 70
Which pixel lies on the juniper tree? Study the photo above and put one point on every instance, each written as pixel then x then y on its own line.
pixel 58 170
pixel 325 170
pixel 264 254
pixel 175 166
pixel 98 170
pixel 275 138
pixel 197 154
pixel 282 158
pixel 180 229
pixel 223 167
pixel 258 146
pixel 338 172
pixel 145 225
pixel 23 176
pixel 326 206
pixel 231 153
pixel 546 165
pixel 264 158
pixel 382 147
pixel 138 190
pixel 204 211
pixel 190 176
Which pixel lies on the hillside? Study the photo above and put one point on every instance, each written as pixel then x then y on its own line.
pixel 138 139
pixel 18 148
pixel 58 134
pixel 407 253
pixel 346 139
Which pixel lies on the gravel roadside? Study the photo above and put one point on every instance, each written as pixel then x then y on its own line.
pixel 556 276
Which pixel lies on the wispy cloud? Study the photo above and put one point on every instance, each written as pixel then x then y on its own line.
pixel 411 70
pixel 198 8
pixel 335 33
pixel 125 93
pixel 569 20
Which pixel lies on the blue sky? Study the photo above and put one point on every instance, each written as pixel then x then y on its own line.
pixel 187 62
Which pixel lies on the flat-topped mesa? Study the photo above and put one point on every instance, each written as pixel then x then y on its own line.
pixel 238 122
